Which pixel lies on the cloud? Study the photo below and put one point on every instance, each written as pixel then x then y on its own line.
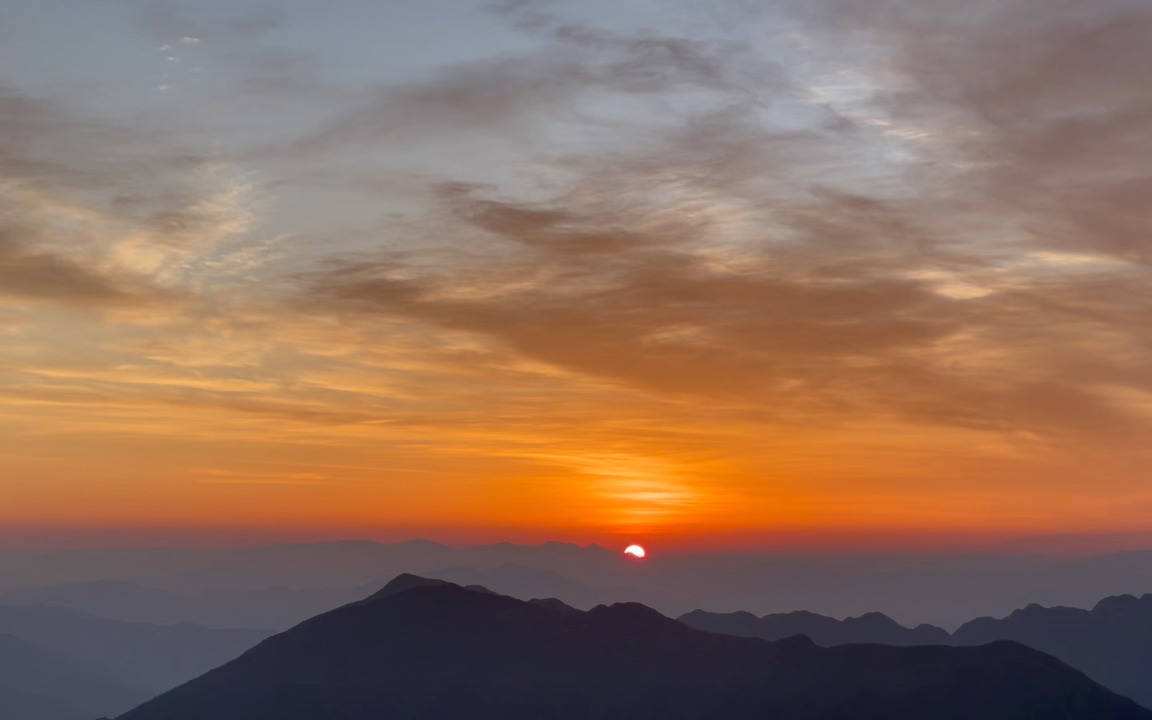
pixel 733 252
pixel 26 273
pixel 169 21
pixel 522 96
pixel 622 304
pixel 98 213
pixel 838 259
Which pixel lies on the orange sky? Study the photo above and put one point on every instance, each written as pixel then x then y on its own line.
pixel 806 280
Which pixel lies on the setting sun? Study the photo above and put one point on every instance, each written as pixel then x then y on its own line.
pixel 635 551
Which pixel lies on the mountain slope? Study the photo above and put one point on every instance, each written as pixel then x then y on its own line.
pixel 39 684
pixel 1112 643
pixel 440 651
pixel 157 657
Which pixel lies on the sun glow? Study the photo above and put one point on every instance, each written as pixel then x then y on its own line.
pixel 635 551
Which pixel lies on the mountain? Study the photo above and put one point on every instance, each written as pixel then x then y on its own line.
pixel 40 684
pixel 1111 643
pixel 422 648
pixel 824 631
pixel 154 657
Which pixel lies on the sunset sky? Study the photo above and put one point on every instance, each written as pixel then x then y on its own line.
pixel 804 274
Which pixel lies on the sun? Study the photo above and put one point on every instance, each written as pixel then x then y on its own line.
pixel 635 551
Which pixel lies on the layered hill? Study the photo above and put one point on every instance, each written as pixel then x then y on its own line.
pixel 275 608
pixel 424 648
pixel 153 657
pixel 37 683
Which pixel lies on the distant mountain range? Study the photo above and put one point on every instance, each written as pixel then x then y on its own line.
pixel 280 608
pixel 1112 643
pixel 426 648
pixel 291 582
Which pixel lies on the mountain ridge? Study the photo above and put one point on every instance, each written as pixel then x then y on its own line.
pixel 1111 643
pixel 440 650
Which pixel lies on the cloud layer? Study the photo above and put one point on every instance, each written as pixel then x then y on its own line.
pixel 864 264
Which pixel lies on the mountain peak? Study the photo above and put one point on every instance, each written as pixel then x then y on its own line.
pixel 554 604
pixel 1117 604
pixel 633 615
pixel 407 581
pixel 401 583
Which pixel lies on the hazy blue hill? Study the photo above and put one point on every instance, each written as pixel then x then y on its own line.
pixel 39 684
pixel 305 565
pixel 274 608
pixel 20 705
pixel 419 650
pixel 156 657
pixel 824 631
pixel 1112 642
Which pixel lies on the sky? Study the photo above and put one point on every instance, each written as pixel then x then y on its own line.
pixel 831 275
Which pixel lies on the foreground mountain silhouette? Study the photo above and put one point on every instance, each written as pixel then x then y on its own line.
pixel 422 648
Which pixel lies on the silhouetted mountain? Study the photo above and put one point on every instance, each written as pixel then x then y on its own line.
pixel 1112 643
pixel 440 651
pixel 824 631
pixel 39 684
pixel 155 657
